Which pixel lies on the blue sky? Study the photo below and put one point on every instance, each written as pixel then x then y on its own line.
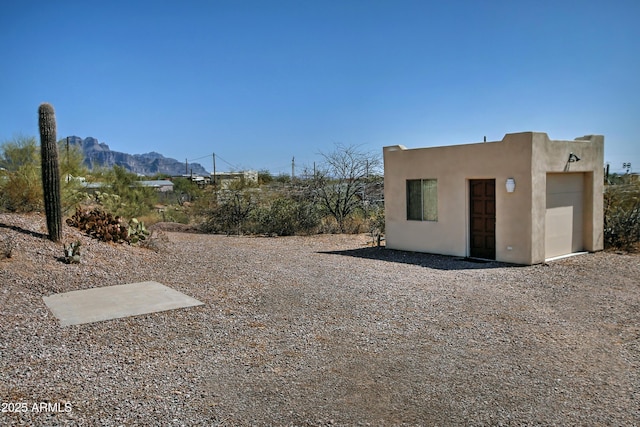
pixel 259 82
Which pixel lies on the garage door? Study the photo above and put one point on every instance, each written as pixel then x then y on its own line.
pixel 564 217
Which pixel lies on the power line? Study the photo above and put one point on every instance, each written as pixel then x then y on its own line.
pixel 199 158
pixel 217 157
pixel 232 166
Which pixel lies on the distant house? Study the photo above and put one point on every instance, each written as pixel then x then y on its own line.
pixel 69 178
pixel 201 181
pixel 92 187
pixel 224 179
pixel 523 199
pixel 161 185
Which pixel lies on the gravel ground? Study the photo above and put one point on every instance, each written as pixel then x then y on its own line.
pixel 319 330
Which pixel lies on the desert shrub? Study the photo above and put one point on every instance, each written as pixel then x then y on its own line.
pixel 355 223
pixel 171 213
pixel 73 194
pixel 21 180
pixel 21 184
pixel 21 190
pixel 185 190
pixel 286 216
pixel 108 201
pixel 364 220
pixel 249 210
pixel 307 217
pixel 282 178
pixel 622 216
pixel 264 177
pixel 123 196
pixel 229 211
pixel 375 222
pixel 328 225
pixel 19 151
pixel 150 219
pixel 179 215
pixel 72 170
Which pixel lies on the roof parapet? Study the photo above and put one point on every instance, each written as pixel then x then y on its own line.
pixel 398 147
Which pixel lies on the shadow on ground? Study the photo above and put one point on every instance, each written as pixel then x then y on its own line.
pixel 24 231
pixel 440 262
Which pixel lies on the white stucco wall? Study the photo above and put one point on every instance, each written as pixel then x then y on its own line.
pixel 520 228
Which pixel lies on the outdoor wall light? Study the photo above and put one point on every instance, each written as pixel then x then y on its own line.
pixel 511 185
pixel 573 158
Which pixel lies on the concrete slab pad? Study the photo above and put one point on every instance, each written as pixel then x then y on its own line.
pixel 113 302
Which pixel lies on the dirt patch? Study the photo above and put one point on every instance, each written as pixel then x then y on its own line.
pixel 321 330
pixel 174 227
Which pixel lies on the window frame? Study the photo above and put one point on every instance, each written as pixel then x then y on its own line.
pixel 428 203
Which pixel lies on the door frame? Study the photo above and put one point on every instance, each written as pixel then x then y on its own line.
pixel 469 217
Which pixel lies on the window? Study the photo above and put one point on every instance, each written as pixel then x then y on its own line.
pixel 422 199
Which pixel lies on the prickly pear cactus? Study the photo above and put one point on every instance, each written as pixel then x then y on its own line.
pixel 137 231
pixel 72 252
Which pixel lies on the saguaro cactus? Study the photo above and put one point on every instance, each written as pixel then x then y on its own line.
pixel 50 171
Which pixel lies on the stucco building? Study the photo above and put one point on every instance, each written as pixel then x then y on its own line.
pixel 523 199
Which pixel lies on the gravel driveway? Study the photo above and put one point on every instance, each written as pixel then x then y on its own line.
pixel 319 330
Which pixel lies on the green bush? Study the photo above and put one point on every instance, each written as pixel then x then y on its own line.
pixel 622 216
pixel 124 196
pixel 185 190
pixel 375 222
pixel 286 216
pixel 19 151
pixel 248 210
pixel 72 170
pixel 20 182
pixel 264 177
pixel 21 190
pixel 177 214
pixel 229 211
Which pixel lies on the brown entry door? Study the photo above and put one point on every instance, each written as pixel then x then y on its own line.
pixel 482 218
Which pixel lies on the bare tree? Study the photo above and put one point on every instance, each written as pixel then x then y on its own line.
pixel 341 181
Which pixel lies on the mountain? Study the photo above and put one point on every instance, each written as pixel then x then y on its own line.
pixel 98 154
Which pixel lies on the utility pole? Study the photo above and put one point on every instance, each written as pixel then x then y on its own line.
pixel 186 167
pixel 293 167
pixel 214 170
pixel 68 177
pixel 627 166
